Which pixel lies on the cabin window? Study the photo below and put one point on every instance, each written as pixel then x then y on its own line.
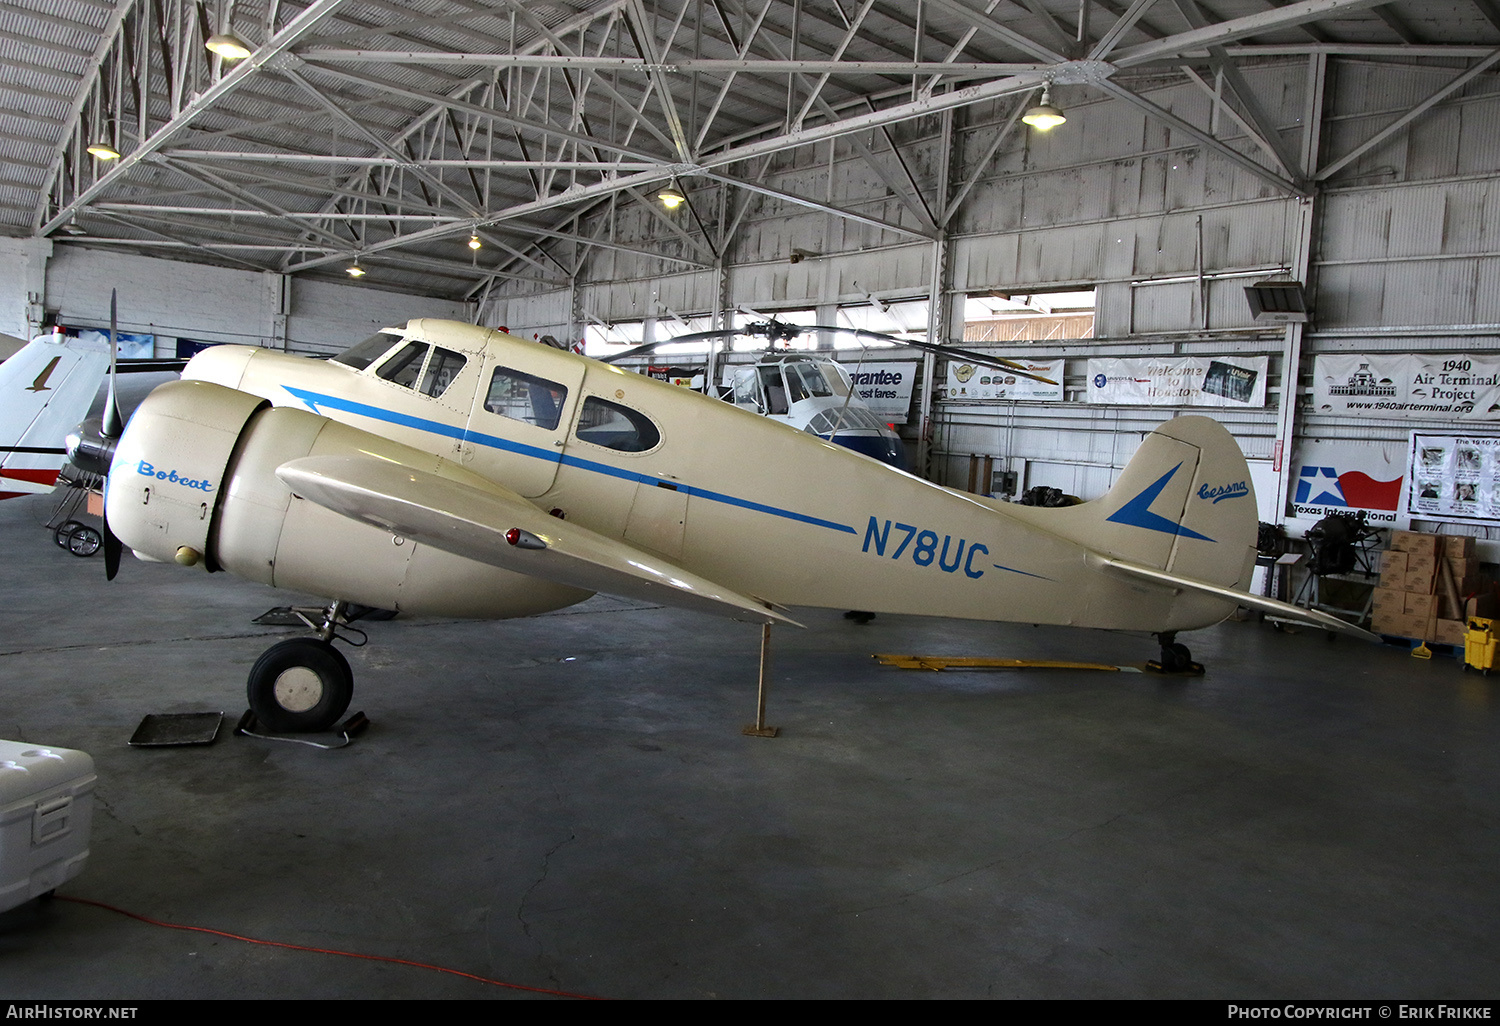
pixel 617 427
pixel 526 397
pixel 365 353
pixel 403 368
pixel 442 367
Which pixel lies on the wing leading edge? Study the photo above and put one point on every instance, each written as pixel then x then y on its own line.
pixel 474 523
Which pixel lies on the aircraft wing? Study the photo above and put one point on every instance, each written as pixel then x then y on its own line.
pixel 496 526
pixel 1286 610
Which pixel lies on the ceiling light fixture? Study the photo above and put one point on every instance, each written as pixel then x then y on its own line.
pixel 228 46
pixel 474 242
pixel 1044 116
pixel 103 150
pixel 354 270
pixel 671 197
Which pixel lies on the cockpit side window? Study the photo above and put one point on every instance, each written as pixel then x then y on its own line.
pixel 403 368
pixel 616 427
pixel 365 353
pixel 775 389
pixel 526 397
pixel 442 367
pixel 809 381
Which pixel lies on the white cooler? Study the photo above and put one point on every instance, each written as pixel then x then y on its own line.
pixel 46 812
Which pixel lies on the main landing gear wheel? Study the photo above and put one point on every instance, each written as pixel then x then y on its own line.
pixel 300 686
pixel 84 541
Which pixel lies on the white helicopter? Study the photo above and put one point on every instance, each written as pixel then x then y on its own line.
pixel 811 392
pixel 452 470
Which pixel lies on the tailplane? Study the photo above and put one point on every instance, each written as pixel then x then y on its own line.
pixel 45 390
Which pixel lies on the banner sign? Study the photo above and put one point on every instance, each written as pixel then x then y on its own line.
pixel 132 345
pixel 971 381
pixel 1454 477
pixel 885 387
pixel 1345 477
pixel 1459 387
pixel 1180 381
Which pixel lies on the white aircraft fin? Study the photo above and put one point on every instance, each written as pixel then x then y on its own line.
pixel 45 390
pixel 1315 617
pixel 493 525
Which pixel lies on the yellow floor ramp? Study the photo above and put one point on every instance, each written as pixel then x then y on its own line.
pixel 923 662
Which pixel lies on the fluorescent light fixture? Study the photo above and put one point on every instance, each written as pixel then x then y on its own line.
pixel 104 151
pixel 671 198
pixel 228 46
pixel 1044 116
pixel 354 270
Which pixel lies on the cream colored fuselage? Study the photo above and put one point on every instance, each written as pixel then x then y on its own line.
pixel 769 511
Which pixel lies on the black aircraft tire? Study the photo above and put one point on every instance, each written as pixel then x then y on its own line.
pixel 300 685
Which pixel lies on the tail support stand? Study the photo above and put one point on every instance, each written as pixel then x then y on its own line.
pixel 759 728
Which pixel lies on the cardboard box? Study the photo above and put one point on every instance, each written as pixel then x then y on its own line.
pixel 1415 541
pixel 1421 562
pixel 1421 605
pixel 1458 546
pixel 1404 625
pixel 1421 582
pixel 1450 632
pixel 1393 561
pixel 1388 601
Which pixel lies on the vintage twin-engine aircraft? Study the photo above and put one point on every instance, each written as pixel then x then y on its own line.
pixel 452 470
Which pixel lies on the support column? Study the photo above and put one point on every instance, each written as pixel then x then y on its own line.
pixel 939 322
pixel 1291 349
pixel 278 298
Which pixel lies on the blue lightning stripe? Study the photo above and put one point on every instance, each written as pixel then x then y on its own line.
pixel 1023 573
pixel 314 400
pixel 1137 512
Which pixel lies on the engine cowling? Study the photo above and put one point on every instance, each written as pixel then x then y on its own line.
pixel 194 480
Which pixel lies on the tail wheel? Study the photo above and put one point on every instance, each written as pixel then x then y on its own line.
pixel 300 685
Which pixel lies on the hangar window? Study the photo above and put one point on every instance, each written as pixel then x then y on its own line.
pixel 616 427
pixel 525 397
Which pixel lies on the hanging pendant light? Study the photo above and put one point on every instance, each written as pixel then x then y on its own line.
pixel 1044 116
pixel 228 46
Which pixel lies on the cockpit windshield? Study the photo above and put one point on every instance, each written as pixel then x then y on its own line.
pixel 363 354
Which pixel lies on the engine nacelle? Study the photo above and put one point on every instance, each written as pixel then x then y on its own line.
pixel 194 480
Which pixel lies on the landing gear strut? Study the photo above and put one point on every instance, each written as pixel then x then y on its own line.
pixel 303 685
pixel 1175 658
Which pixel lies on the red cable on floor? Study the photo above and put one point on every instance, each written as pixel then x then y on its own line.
pixel 323 951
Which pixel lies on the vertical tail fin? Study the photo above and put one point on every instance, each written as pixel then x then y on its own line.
pixel 1184 504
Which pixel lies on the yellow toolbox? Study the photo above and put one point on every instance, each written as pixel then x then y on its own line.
pixel 1480 645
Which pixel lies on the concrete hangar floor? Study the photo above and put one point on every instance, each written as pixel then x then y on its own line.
pixel 567 803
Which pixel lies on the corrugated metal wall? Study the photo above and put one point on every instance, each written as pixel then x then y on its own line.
pixel 1405 254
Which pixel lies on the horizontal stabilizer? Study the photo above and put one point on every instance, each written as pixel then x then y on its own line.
pixel 473 521
pixel 1285 610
